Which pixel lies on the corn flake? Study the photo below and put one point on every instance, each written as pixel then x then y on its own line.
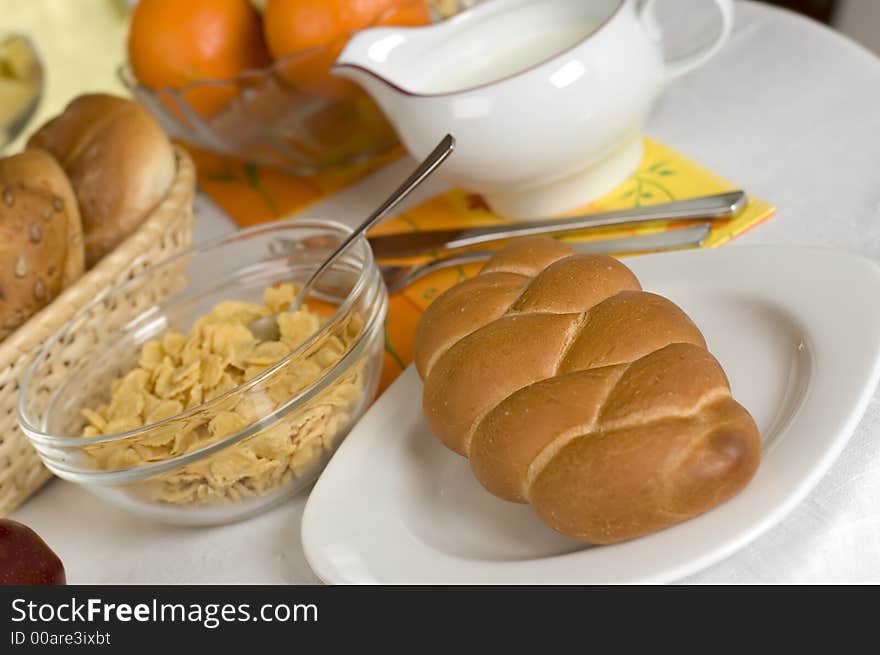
pixel 184 372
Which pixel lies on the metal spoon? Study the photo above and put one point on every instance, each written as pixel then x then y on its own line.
pixel 266 328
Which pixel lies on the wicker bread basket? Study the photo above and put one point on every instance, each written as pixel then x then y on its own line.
pixel 165 232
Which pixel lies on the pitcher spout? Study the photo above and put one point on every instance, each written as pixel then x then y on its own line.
pixel 369 59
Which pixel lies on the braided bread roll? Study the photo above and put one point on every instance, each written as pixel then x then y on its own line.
pixel 570 388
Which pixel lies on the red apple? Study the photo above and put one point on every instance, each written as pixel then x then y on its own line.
pixel 25 558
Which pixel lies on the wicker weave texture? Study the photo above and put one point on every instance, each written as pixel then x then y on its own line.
pixel 166 232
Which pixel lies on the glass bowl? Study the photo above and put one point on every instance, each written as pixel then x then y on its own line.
pixel 235 454
pixel 294 115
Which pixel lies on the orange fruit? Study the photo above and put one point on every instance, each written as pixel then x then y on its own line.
pixel 173 44
pixel 292 25
pixel 321 28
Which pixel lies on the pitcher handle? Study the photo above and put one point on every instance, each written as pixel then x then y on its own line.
pixel 689 62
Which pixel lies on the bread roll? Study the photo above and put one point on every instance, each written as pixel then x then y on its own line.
pixel 570 388
pixel 41 249
pixel 119 162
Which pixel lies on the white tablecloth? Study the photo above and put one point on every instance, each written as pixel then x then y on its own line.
pixel 790 111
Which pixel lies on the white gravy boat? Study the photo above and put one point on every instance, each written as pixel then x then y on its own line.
pixel 546 98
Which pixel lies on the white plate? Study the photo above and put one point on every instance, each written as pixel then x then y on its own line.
pixel 798 333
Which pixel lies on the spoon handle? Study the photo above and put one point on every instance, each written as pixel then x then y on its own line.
pixel 419 175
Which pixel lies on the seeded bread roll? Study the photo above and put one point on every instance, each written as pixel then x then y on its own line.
pixel 119 162
pixel 570 388
pixel 41 248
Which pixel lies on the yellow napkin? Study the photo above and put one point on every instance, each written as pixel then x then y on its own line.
pixel 664 175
